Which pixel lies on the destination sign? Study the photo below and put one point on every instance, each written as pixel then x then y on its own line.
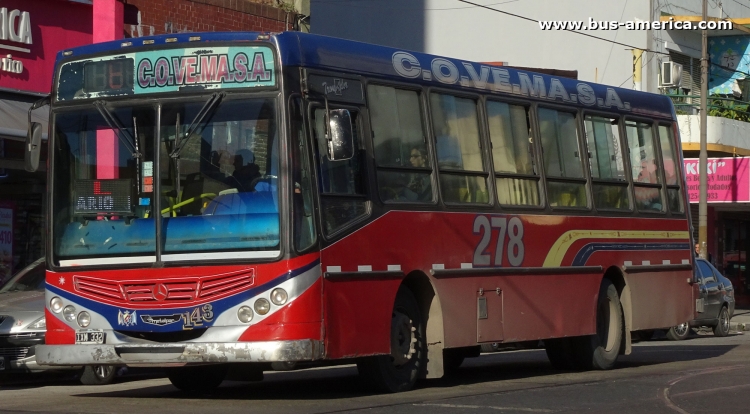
pixel 169 70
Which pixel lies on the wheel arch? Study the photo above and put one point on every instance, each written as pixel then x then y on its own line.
pixel 429 305
pixel 618 278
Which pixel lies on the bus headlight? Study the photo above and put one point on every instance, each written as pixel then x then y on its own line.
pixel 279 296
pixel 69 313
pixel 56 304
pixel 245 314
pixel 84 319
pixel 262 306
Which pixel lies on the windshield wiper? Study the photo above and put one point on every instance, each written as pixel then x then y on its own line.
pixel 211 104
pixel 116 126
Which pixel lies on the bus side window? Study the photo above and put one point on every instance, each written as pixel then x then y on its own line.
pixel 516 177
pixel 403 163
pixel 563 166
pixel 463 178
pixel 609 182
pixel 645 166
pixel 671 168
pixel 343 195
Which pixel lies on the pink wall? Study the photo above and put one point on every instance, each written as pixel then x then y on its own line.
pixel 55 25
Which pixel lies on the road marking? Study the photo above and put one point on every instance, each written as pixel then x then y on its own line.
pixel 485 407
pixel 664 394
pixel 716 390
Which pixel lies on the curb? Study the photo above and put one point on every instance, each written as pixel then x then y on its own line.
pixel 739 326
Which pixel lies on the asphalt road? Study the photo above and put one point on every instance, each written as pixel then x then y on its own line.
pixel 703 374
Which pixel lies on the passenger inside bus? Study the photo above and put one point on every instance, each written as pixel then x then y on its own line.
pixel 648 198
pixel 419 183
pixel 245 171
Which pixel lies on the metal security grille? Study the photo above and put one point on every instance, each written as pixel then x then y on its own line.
pixel 691 74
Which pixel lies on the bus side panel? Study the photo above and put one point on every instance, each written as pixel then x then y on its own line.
pixel 533 307
pixel 358 316
pixel 536 302
pixel 658 299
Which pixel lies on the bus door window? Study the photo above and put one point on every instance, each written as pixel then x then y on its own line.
pixel 563 165
pixel 463 178
pixel 610 184
pixel 403 162
pixel 645 166
pixel 302 193
pixel 343 195
pixel 516 176
pixel 671 168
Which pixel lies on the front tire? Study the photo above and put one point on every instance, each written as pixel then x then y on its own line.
pixel 98 374
pixel 679 332
pixel 599 351
pixel 197 378
pixel 399 371
pixel 722 328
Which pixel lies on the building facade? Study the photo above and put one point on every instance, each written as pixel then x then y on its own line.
pixel 31 34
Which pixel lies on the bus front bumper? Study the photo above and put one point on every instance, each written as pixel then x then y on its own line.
pixel 175 354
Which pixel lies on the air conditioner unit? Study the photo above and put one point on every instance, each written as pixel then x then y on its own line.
pixel 671 74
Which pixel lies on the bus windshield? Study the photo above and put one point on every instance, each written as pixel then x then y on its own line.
pixel 216 178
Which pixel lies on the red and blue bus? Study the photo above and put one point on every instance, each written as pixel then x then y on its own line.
pixel 219 201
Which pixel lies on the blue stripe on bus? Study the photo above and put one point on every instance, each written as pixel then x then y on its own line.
pixel 586 251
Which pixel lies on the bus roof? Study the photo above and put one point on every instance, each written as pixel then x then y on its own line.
pixel 341 55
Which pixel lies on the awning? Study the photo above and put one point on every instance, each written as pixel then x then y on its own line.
pixel 14 119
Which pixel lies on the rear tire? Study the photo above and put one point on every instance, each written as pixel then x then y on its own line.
pixel 197 378
pixel 599 351
pixel 399 371
pixel 722 328
pixel 679 332
pixel 98 374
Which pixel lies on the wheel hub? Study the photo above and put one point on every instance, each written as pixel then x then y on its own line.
pixel 402 338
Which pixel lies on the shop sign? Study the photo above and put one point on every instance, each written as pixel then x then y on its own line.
pixel 15 26
pixel 728 180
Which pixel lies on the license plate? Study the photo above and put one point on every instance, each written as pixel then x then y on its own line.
pixel 90 337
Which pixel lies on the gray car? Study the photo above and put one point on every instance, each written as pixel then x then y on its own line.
pixel 23 326
pixel 717 296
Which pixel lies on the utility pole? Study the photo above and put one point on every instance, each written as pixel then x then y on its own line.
pixel 703 160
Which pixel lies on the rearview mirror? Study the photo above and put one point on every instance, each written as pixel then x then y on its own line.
pixel 33 146
pixel 341 136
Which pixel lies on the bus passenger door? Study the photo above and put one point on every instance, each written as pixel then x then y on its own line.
pixel 490 315
pixel 352 299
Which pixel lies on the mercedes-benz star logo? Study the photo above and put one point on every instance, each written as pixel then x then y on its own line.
pixel 160 292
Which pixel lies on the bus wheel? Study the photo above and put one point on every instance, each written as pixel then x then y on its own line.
pixel 559 352
pixel 197 378
pixel 599 351
pixel 399 371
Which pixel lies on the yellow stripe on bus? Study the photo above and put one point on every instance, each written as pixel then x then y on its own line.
pixel 563 243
